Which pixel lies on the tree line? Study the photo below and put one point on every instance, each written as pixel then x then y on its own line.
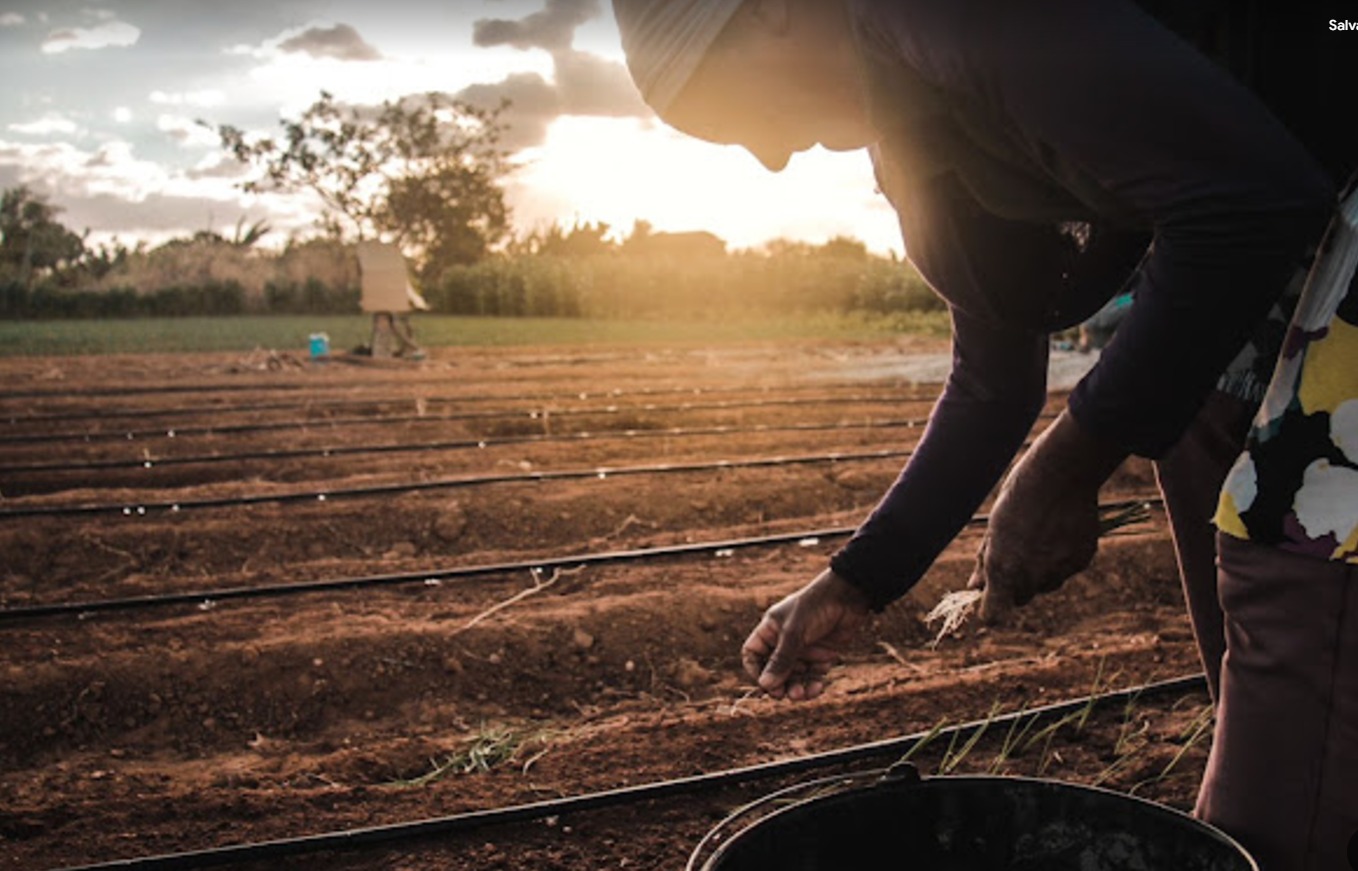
pixel 49 271
pixel 424 172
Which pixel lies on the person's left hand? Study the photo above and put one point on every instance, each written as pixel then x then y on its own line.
pixel 1044 526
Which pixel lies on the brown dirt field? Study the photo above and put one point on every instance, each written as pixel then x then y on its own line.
pixel 158 730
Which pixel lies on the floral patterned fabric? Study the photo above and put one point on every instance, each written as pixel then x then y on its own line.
pixel 1295 485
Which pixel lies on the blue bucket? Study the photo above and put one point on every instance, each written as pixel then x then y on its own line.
pixel 320 345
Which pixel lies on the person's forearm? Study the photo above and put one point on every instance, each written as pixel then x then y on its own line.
pixel 964 451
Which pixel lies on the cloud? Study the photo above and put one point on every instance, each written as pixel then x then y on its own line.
pixel 591 85
pixel 340 42
pixel 219 165
pixel 206 97
pixel 553 28
pixel 583 83
pixel 46 126
pixel 534 102
pixel 113 169
pixel 61 168
pixel 109 32
pixel 586 84
pixel 113 192
pixel 186 131
pixel 159 218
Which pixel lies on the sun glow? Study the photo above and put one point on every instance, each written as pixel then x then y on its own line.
pixel 620 170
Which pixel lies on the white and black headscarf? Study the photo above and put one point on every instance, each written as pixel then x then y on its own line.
pixel 665 40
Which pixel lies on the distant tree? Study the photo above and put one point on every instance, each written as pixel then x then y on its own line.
pixel 696 244
pixel 423 170
pixel 248 235
pixel 32 242
pixel 782 247
pixel 451 215
pixel 107 258
pixel 640 235
pixel 581 240
pixel 844 248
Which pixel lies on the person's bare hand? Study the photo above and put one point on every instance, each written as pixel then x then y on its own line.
pixel 798 639
pixel 1028 551
pixel 1044 526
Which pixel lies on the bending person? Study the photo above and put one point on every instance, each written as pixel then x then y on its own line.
pixel 1039 164
pixel 1030 159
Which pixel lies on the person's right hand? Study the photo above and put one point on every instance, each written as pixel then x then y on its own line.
pixel 799 638
pixel 1044 527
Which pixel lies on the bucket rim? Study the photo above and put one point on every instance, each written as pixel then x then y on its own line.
pixel 717 841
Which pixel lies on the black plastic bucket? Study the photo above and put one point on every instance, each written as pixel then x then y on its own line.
pixel 901 822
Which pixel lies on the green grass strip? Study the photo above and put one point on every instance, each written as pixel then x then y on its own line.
pixel 290 333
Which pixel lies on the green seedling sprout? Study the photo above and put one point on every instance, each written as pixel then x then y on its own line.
pixel 1191 736
pixel 493 747
pixel 950 759
pixel 1125 746
pixel 925 740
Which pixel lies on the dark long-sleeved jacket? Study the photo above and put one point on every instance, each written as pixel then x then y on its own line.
pixel 1036 153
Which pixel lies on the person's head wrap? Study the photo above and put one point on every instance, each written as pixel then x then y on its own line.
pixel 665 40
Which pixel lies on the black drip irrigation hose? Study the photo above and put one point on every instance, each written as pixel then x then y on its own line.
pixel 458 444
pixel 402 833
pixel 384 420
pixel 582 396
pixel 200 597
pixel 437 576
pixel 145 508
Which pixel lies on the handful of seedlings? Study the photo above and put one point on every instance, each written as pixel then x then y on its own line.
pixel 955 607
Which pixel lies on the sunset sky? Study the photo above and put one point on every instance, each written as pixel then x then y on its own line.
pixel 101 97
